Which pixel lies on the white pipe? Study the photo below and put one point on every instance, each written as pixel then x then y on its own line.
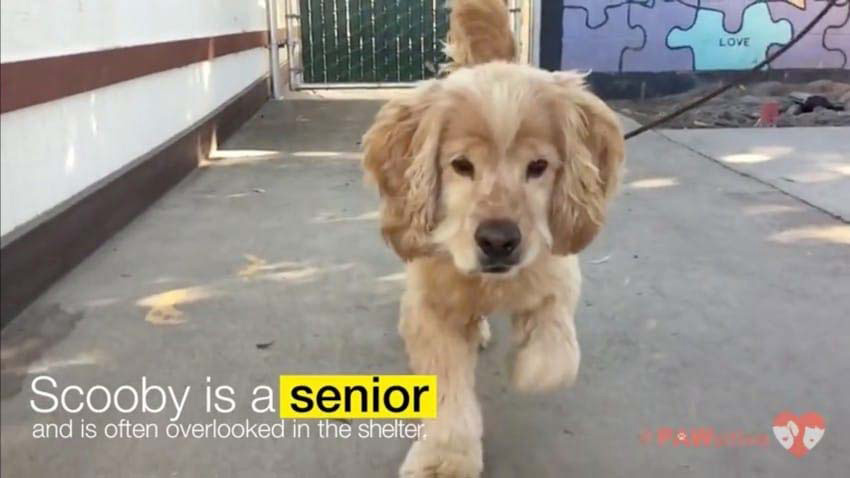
pixel 535 32
pixel 274 56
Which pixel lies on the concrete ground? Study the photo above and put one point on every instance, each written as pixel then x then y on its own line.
pixel 811 164
pixel 712 300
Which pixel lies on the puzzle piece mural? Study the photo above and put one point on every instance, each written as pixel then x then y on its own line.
pixel 731 10
pixel 716 49
pixel 837 39
pixel 597 10
pixel 655 19
pixel 597 48
pixel 801 55
pixel 687 35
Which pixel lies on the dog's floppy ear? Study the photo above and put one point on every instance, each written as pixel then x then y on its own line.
pixel 401 156
pixel 592 149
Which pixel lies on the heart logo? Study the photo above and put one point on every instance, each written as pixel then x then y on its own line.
pixel 800 434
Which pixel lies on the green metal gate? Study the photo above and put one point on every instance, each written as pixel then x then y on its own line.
pixel 344 42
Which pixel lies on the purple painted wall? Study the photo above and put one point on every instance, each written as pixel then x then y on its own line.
pixel 700 35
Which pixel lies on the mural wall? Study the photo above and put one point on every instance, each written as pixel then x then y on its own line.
pixel 694 35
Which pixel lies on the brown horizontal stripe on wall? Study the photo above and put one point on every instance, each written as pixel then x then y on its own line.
pixel 31 82
pixel 32 262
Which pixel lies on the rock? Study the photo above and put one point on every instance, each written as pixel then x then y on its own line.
pixel 751 100
pixel 845 100
pixel 809 102
pixel 741 106
pixel 828 87
pixel 820 117
pixel 784 103
pixel 768 88
pixel 799 96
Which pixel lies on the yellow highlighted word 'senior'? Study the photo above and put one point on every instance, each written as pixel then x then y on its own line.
pixel 358 396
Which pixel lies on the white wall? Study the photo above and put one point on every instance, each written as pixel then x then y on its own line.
pixel 42 28
pixel 52 151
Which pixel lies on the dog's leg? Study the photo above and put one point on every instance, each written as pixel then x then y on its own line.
pixel 446 347
pixel 548 353
pixel 484 333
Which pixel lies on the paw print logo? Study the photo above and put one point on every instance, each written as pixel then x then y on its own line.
pixel 682 438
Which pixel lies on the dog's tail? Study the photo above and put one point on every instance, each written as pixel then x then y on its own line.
pixel 479 32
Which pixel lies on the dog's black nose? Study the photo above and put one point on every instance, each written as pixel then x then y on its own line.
pixel 498 239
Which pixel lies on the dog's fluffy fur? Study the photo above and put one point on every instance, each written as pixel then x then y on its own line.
pixel 498 116
pixel 479 33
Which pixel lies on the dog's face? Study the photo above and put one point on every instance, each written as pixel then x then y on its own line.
pixel 496 182
pixel 494 165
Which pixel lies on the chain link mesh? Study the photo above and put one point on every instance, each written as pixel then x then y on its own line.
pixel 347 41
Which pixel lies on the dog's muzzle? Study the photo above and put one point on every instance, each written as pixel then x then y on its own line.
pixel 498 243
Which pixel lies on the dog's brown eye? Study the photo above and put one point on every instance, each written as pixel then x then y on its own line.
pixel 463 167
pixel 536 168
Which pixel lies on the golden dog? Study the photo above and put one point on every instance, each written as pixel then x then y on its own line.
pixel 491 180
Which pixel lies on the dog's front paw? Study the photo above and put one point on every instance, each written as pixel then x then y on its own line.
pixel 545 362
pixel 484 333
pixel 432 459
